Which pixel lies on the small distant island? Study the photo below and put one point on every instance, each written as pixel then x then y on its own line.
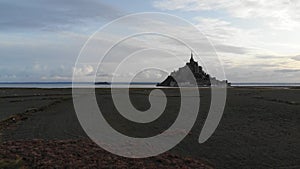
pixel 102 83
pixel 183 79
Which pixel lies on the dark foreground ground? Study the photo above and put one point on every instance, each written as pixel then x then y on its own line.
pixel 260 128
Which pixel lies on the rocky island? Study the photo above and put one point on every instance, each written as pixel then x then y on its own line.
pixel 185 79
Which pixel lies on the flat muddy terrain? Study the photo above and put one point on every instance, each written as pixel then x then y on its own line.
pixel 260 128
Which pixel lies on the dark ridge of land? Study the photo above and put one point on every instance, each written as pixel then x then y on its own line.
pixel 259 128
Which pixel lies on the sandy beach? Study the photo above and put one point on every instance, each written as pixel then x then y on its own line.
pixel 259 129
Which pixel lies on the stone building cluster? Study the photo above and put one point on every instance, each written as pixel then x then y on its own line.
pixel 191 75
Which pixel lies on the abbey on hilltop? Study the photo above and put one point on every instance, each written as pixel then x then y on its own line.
pixel 184 79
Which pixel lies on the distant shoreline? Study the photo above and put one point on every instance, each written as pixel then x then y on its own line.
pixel 50 85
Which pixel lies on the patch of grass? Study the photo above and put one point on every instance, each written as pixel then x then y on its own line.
pixel 12 164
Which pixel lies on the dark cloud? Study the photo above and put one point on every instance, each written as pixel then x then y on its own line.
pixel 231 49
pixel 269 56
pixel 52 14
pixel 287 70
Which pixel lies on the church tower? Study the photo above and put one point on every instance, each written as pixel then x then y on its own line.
pixel 193 65
pixel 192 59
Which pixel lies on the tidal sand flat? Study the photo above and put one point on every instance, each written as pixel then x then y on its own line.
pixel 259 129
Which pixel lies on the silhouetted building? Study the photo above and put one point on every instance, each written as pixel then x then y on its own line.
pixel 197 78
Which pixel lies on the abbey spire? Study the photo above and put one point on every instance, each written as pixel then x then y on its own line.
pixel 192 59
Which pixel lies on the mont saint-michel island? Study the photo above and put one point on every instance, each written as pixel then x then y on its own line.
pixel 197 77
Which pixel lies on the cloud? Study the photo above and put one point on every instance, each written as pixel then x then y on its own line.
pixel 22 70
pixel 150 75
pixel 216 28
pixel 225 37
pixel 287 70
pixel 52 14
pixel 269 56
pixel 297 58
pixel 84 70
pixel 262 73
pixel 231 49
pixel 56 78
pixel 191 5
pixel 280 14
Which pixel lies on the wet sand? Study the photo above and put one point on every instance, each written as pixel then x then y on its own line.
pixel 260 127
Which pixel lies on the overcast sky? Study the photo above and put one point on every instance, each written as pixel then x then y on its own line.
pixel 256 40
